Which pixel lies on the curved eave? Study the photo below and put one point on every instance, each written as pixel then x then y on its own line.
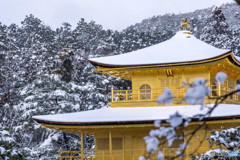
pixel 234 61
pixel 93 123
pixel 229 53
pixel 85 124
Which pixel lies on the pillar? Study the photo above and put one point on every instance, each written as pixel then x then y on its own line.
pixel 219 89
pixel 110 144
pixel 82 146
pixel 112 91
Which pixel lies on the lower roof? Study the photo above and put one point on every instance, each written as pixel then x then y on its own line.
pixel 135 114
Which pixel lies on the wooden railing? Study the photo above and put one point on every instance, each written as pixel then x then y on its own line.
pixel 152 94
pixel 130 154
pixel 76 155
pixel 142 95
pixel 222 90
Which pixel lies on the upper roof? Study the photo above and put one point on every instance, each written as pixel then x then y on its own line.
pixel 182 47
pixel 134 114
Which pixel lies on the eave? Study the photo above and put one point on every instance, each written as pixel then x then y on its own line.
pixel 164 64
pixel 126 71
pixel 126 123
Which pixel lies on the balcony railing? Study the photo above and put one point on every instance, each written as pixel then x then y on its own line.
pixel 76 155
pixel 130 154
pixel 222 90
pixel 152 94
pixel 142 95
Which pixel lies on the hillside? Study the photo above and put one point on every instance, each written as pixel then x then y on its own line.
pixel 159 23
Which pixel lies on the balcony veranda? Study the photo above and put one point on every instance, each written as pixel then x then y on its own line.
pixel 148 97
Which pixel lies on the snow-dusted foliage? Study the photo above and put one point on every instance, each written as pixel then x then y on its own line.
pixel 238 88
pixel 221 77
pixel 164 134
pixel 9 149
pixel 46 72
pixel 166 97
pixel 220 154
pixel 229 138
pixel 49 95
pixel 197 93
pixel 175 120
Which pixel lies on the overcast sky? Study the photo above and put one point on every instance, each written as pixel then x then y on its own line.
pixel 111 14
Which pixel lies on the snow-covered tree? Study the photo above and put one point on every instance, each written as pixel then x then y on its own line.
pixel 216 30
pixel 9 149
pixel 50 95
pixel 53 94
pixel 227 138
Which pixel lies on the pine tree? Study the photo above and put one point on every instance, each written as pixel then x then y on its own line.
pixel 9 149
pixel 216 30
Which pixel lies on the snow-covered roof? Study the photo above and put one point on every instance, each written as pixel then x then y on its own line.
pixel 135 114
pixel 182 47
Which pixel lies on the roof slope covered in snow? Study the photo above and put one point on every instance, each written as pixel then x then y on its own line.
pixel 135 114
pixel 182 47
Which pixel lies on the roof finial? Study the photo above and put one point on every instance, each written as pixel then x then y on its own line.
pixel 185 24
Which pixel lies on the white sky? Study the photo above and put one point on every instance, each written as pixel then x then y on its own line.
pixel 111 14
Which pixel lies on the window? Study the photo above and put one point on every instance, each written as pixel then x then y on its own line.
pixel 145 92
pixel 167 82
pixel 103 143
pixel 162 82
pixel 170 82
pixel 178 81
pixel 117 143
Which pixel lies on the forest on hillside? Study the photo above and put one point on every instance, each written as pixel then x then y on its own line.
pixel 46 71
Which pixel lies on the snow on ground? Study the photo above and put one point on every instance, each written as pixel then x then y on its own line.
pixel 190 47
pixel 139 113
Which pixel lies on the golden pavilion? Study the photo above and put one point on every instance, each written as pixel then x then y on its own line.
pixel 119 130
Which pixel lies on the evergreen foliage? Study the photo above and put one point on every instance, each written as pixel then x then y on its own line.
pixel 228 138
pixel 9 149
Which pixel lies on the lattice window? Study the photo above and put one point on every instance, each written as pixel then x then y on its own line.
pixel 145 92
pixel 103 144
pixel 117 144
pixel 170 82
